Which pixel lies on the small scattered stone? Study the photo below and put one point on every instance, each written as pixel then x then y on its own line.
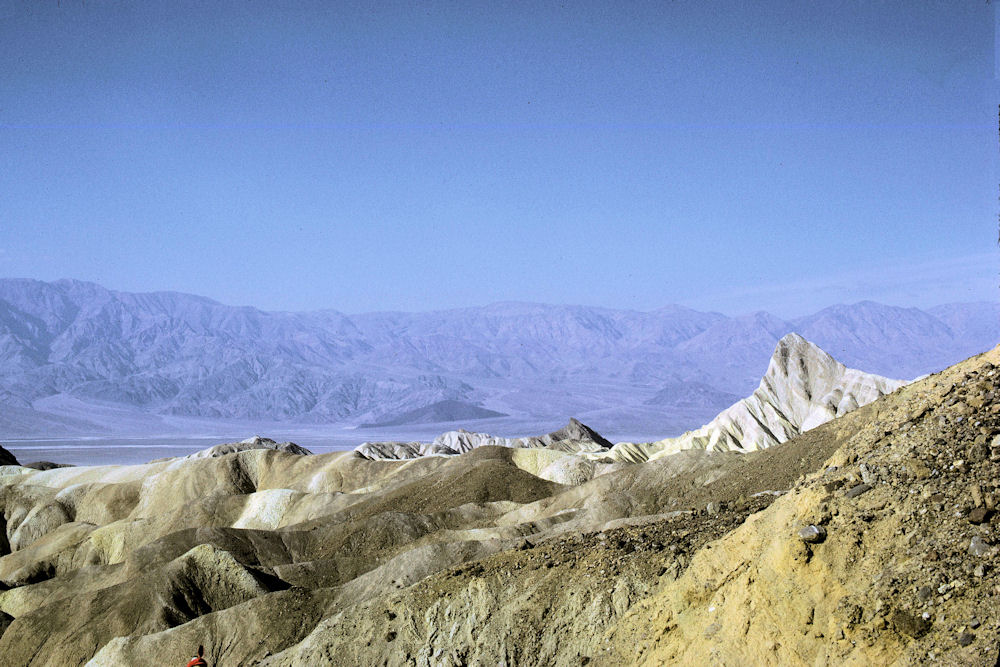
pixel 925 593
pixel 974 623
pixel 980 515
pixel 966 638
pixel 866 474
pixel 832 486
pixel 980 571
pixel 978 547
pixel 712 508
pixel 909 625
pixel 812 534
pixel 919 469
pixel 856 491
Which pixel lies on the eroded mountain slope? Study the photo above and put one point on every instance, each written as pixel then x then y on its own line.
pixel 802 388
pixel 905 572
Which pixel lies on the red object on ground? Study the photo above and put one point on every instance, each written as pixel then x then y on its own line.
pixel 197 661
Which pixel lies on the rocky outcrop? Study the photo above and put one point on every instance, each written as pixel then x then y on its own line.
pixel 6 458
pixel 390 450
pixel 256 442
pixel 574 437
pixel 802 388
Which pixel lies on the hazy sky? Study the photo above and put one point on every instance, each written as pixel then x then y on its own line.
pixel 419 155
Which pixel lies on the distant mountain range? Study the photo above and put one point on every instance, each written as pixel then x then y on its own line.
pixel 77 358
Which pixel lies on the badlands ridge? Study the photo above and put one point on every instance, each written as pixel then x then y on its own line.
pixel 802 388
pixel 832 517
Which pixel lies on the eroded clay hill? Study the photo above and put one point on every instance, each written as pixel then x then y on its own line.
pixel 883 552
pixel 899 560
pixel 273 556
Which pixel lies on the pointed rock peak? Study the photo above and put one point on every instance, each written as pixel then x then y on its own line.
pixel 257 441
pixel 7 458
pixel 793 347
pixel 577 430
pixel 794 342
pixel 792 338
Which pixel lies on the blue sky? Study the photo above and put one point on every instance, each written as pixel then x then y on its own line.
pixel 423 155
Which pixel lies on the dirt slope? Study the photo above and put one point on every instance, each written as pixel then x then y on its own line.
pixel 907 572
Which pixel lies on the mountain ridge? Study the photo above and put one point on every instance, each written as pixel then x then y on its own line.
pixel 173 356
